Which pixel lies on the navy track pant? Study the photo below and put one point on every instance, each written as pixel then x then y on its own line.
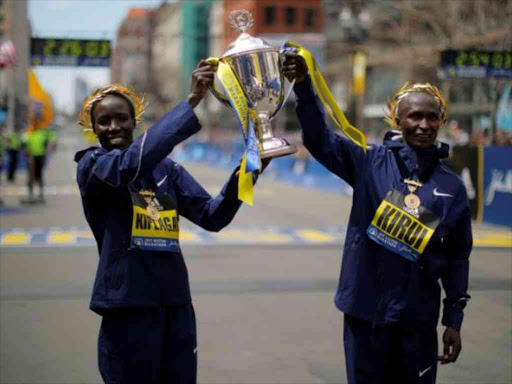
pixel 386 354
pixel 148 346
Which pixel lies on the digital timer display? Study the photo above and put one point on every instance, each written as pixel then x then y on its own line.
pixel 70 52
pixel 476 63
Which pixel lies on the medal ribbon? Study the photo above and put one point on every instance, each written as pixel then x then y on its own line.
pixel 234 98
pixel 326 98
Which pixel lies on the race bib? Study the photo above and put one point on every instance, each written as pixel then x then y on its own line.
pixel 155 222
pixel 400 230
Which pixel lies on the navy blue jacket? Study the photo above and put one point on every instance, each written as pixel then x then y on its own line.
pixel 375 284
pixel 128 277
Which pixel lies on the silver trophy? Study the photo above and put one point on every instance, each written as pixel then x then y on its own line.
pixel 257 66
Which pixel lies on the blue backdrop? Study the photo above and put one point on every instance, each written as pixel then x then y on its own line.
pixel 498 185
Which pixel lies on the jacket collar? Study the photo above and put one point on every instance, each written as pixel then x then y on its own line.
pixel 82 153
pixel 418 162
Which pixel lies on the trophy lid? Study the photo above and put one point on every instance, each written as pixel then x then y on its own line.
pixel 242 20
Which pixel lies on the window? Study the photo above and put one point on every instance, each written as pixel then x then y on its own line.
pixel 290 15
pixel 270 15
pixel 309 17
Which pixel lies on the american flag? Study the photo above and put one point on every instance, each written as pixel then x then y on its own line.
pixel 7 54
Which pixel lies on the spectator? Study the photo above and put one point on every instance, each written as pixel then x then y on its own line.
pixel 458 135
pixel 13 149
pixel 35 145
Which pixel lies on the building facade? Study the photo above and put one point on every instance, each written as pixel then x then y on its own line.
pixel 166 58
pixel 14 79
pixel 277 18
pixel 131 55
pixel 157 50
pixel 402 41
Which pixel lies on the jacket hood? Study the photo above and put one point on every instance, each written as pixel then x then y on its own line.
pixel 394 140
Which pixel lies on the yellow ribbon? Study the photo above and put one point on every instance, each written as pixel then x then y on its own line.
pixel 239 106
pixel 245 184
pixel 327 99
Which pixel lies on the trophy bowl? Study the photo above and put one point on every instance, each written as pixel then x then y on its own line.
pixel 257 67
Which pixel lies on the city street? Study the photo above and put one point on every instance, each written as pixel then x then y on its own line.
pixel 263 289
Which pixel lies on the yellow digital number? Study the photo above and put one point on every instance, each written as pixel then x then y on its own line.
pixel 76 48
pixel 65 48
pixel 460 61
pixel 49 47
pixel 508 61
pixel 485 58
pixel 92 48
pixel 497 60
pixel 473 58
pixel 105 49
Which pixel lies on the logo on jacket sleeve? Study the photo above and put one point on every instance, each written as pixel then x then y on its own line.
pixel 436 193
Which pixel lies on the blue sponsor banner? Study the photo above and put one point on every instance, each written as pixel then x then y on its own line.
pixel 156 244
pixel 504 110
pixel 391 244
pixel 498 185
pixel 471 63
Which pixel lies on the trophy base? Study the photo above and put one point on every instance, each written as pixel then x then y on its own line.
pixel 276 147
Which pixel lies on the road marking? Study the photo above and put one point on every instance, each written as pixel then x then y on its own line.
pixel 51 190
pixel 15 238
pixel 277 238
pixel 499 239
pixel 316 236
pixel 47 237
pixel 82 236
pixel 61 238
pixel 188 236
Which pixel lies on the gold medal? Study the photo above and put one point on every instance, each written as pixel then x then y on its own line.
pixel 412 201
pixel 148 198
pixel 153 212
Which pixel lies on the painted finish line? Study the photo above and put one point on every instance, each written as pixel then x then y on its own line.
pixel 83 237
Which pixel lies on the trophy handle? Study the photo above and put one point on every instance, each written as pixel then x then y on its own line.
pixel 280 106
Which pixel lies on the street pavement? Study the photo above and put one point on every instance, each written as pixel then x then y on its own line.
pixel 263 288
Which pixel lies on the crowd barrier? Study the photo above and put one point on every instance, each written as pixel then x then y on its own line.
pixel 304 171
pixel 497 185
pixel 486 173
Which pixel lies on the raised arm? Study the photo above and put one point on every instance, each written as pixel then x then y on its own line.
pixel 336 153
pixel 198 206
pixel 99 170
